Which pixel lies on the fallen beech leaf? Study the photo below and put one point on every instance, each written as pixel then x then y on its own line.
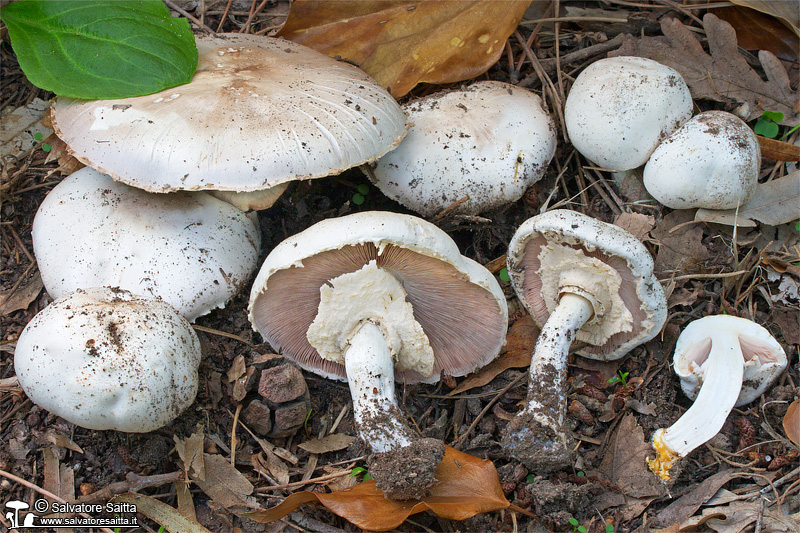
pixel 160 512
pixel 402 43
pixel 759 31
pixel 269 463
pixel 22 296
pixel 724 75
pixel 778 150
pixel 466 486
pixel 791 422
pixel 331 443
pixel 789 12
pixel 519 347
pixel 774 203
pixel 685 506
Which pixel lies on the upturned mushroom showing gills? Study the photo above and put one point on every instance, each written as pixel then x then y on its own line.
pixel 723 362
pixel 106 359
pixel 376 298
pixel 580 279
pixel 620 108
pixel 190 249
pixel 489 142
pixel 258 113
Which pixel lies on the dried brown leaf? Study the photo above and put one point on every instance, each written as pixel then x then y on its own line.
pixel 759 31
pixel 685 506
pixel 680 245
pixel 774 203
pixel 519 346
pixel 466 486
pixel 62 441
pixel 160 512
pixel 624 461
pixel 404 42
pixel 788 12
pixel 185 500
pixel 636 224
pixel 224 484
pixel 791 422
pixel 269 463
pixel 723 75
pixel 22 296
pixel 736 517
pixel 191 453
pixel 331 443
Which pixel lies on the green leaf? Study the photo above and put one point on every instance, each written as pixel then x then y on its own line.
pixel 775 116
pixel 766 128
pixel 503 274
pixel 101 49
pixel 363 189
pixel 358 199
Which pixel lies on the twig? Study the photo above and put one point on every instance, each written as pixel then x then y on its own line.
pixel 133 483
pixel 222 334
pixel 198 23
pixel 489 405
pixel 300 483
pixel 551 65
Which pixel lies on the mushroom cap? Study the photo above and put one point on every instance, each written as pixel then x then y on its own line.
pixel 103 358
pixel 458 303
pixel 639 289
pixel 489 141
pixel 764 358
pixel 188 248
pixel 258 112
pixel 620 108
pixel 712 161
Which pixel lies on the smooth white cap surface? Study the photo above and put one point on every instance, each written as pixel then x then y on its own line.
pixel 637 287
pixel 712 161
pixel 188 248
pixel 489 141
pixel 106 359
pixel 258 112
pixel 620 108
pixel 458 303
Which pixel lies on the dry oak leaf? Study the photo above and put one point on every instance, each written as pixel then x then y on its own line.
pixel 466 486
pixel 791 422
pixel 723 75
pixel 406 42
pixel 788 12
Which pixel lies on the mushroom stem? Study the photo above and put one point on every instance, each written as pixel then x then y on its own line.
pixel 717 397
pixel 370 373
pixel 536 436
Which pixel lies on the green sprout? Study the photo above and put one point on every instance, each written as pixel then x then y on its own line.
pixel 576 525
pixel 767 125
pixel 503 274
pixel 360 196
pixel 609 528
pixel 621 377
pixel 38 137
pixel 305 422
pixel 360 470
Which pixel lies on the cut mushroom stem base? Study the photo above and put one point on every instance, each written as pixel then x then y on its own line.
pixel 403 465
pixel 537 436
pixel 714 402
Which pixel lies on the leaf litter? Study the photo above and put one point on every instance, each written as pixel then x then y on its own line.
pixel 255 470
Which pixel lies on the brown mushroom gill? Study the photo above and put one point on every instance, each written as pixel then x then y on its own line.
pixel 532 287
pixel 460 319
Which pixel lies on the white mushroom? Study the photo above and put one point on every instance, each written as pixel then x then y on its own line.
pixel 379 297
pixel 106 359
pixel 723 362
pixel 580 279
pixel 191 250
pixel 619 109
pixel 258 113
pixel 712 161
pixel 489 141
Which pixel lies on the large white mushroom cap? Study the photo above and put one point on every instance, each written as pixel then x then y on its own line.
pixel 458 303
pixel 712 161
pixel 619 109
pixel 187 248
pixel 259 112
pixel 489 141
pixel 106 359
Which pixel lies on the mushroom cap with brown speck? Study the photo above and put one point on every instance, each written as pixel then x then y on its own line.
pixel 258 112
